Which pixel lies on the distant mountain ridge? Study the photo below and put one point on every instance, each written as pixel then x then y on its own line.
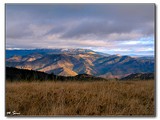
pixel 139 76
pixel 23 52
pixel 71 62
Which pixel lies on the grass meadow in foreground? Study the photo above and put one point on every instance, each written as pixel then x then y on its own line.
pixel 109 98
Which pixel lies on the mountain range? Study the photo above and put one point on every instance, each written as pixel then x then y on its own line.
pixel 72 62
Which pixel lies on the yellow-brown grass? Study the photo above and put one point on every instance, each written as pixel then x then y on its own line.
pixel 81 98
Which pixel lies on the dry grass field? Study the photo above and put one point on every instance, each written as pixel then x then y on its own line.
pixel 109 98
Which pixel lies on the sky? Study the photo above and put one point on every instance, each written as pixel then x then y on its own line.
pixel 126 29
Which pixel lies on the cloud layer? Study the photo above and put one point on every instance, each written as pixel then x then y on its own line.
pixel 111 28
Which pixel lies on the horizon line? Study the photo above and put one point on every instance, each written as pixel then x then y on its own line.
pixel 79 48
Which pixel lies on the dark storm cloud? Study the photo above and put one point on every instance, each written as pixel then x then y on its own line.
pixel 116 18
pixel 134 12
pixel 78 25
pixel 107 27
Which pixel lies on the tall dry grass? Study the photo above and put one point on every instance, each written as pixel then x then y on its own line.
pixel 81 98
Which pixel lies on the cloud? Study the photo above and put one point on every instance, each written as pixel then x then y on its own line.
pixel 95 26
